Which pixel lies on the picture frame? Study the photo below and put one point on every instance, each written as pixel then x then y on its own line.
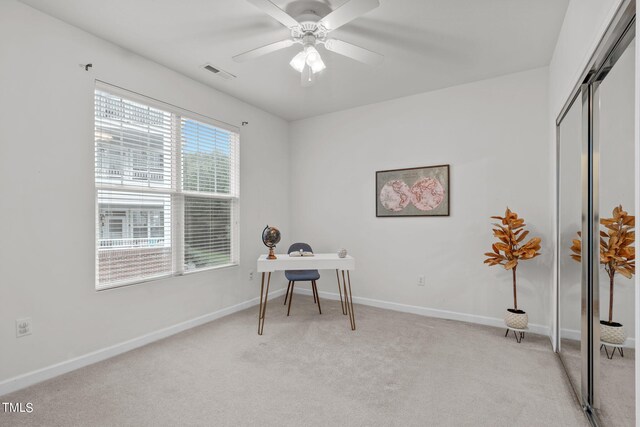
pixel 413 192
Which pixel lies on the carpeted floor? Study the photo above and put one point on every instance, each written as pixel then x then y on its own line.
pixel 617 383
pixel 397 369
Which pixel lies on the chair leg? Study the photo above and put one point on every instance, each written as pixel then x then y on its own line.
pixel 315 293
pixel 287 294
pixel 293 284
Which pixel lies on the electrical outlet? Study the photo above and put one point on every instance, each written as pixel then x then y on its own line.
pixel 421 280
pixel 251 274
pixel 23 327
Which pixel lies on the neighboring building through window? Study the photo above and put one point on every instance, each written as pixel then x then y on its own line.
pixel 166 188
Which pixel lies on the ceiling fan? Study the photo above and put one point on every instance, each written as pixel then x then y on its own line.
pixel 311 30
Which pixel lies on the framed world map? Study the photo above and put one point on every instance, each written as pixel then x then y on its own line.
pixel 420 191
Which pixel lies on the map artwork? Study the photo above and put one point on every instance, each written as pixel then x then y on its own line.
pixel 413 192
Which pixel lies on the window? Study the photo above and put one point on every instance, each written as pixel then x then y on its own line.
pixel 166 190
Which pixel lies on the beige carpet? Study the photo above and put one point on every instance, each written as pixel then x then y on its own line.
pixel 617 383
pixel 397 369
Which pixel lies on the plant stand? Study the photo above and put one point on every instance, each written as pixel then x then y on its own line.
pixel 619 347
pixel 518 333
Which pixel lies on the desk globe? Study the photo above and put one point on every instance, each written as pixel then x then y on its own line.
pixel 270 238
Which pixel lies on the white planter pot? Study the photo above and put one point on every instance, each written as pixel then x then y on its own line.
pixel 613 334
pixel 516 319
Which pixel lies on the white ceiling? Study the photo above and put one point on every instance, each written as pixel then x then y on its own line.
pixel 427 44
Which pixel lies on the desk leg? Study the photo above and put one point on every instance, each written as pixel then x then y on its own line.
pixel 349 300
pixel 342 303
pixel 263 303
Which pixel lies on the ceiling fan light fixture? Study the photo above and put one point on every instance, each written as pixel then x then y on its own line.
pixel 318 66
pixel 309 58
pixel 309 30
pixel 314 60
pixel 298 62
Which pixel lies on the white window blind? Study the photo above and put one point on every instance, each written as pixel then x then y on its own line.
pixel 167 190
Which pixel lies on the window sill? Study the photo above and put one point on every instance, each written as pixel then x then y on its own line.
pixel 155 279
pixel 217 267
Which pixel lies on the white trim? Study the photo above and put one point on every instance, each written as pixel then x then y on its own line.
pixel 30 378
pixel 426 311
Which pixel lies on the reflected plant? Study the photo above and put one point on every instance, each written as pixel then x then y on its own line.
pixel 617 252
pixel 509 250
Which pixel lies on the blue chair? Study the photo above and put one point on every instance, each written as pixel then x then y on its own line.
pixel 294 276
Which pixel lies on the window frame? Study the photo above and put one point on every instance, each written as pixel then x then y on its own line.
pixel 175 191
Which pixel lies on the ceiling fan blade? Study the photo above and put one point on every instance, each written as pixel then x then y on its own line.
pixel 352 51
pixel 348 12
pixel 255 53
pixel 275 12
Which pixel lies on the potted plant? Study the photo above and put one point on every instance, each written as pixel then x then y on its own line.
pixel 508 252
pixel 618 255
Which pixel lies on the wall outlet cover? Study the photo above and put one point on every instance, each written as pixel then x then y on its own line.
pixel 23 327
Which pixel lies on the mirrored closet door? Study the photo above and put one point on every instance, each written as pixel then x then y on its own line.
pixel 595 225
pixel 616 96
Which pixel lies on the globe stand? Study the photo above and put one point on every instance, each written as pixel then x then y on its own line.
pixel 270 238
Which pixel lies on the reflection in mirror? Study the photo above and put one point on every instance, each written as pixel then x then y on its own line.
pixel 617 292
pixel 569 222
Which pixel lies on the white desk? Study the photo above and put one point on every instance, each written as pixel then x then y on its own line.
pixel 315 262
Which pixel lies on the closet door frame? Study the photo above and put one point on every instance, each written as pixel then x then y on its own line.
pixel 590 301
pixel 617 37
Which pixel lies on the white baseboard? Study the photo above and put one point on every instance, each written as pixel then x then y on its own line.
pixel 25 380
pixel 431 312
pixel 572 334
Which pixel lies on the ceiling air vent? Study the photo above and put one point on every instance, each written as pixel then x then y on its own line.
pixel 218 72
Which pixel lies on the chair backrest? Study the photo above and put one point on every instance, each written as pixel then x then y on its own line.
pixel 297 246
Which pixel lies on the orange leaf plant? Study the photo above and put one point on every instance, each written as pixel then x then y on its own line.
pixel 509 249
pixel 616 251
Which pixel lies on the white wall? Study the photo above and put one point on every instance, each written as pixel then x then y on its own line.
pixel 493 133
pixel 584 24
pixel 47 195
